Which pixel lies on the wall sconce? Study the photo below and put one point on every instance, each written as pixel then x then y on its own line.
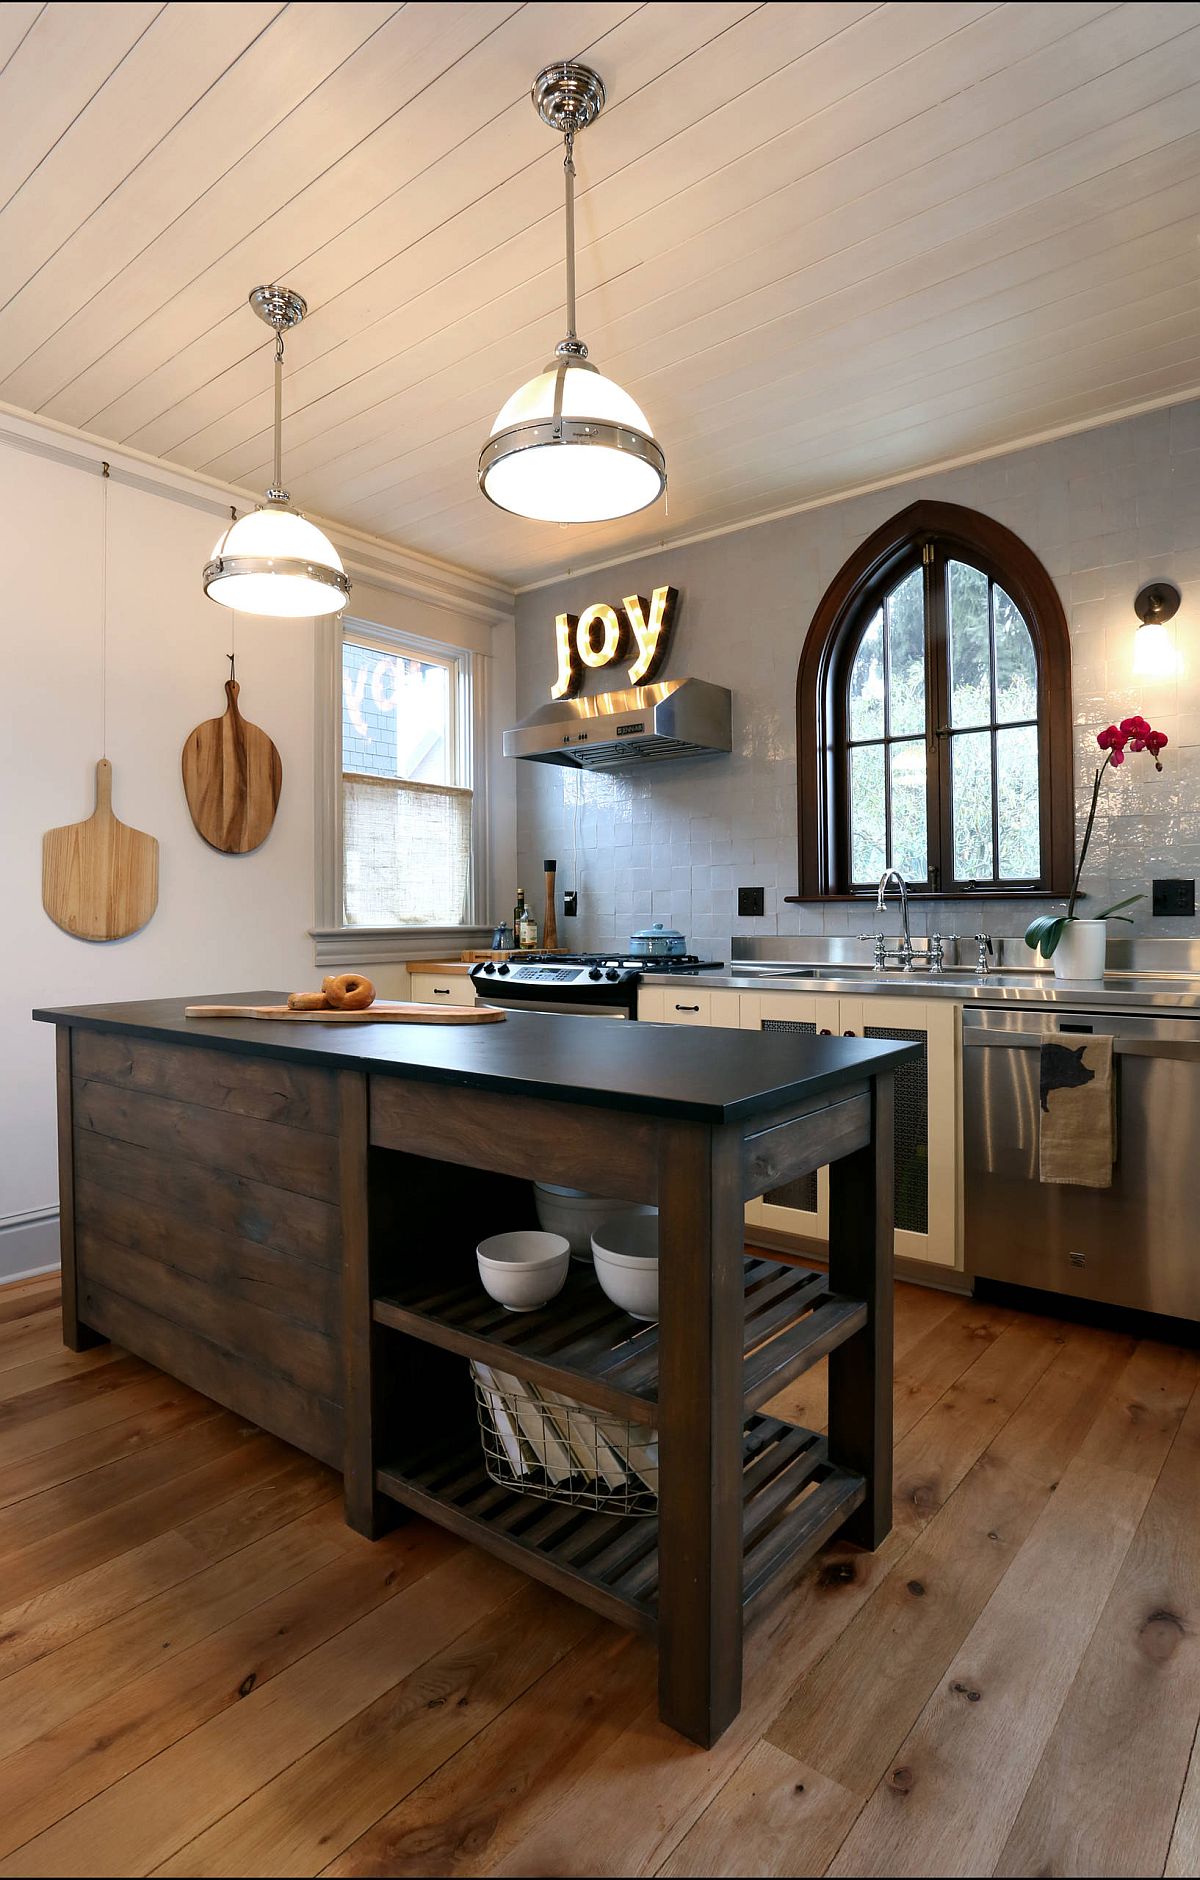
pixel 1153 645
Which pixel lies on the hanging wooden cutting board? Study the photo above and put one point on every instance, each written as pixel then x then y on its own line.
pixel 232 777
pixel 99 877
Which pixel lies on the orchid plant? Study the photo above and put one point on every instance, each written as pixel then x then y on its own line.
pixel 1132 734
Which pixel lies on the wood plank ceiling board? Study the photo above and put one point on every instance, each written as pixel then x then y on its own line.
pixel 435 393
pixel 822 245
pixel 260 88
pixel 731 321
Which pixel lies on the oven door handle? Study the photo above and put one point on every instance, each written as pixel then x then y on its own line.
pixel 1181 1048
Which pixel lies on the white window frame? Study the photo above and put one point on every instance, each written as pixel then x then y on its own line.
pixel 336 943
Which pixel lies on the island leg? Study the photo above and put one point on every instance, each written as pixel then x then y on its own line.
pixel 367 1511
pixel 702 1312
pixel 861 1240
pixel 76 1335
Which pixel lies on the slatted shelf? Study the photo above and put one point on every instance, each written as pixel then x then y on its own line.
pixel 793 1499
pixel 584 1345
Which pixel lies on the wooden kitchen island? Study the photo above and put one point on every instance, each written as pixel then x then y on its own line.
pixel 285 1217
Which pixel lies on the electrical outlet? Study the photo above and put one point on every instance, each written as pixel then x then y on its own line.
pixel 751 901
pixel 570 904
pixel 1174 896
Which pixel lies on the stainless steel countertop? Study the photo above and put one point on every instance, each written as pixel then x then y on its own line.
pixel 1120 991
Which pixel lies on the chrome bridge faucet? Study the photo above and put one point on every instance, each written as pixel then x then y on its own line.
pixel 931 960
pixel 904 950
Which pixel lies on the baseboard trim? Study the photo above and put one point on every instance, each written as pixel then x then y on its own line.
pixel 28 1244
pixel 814 1252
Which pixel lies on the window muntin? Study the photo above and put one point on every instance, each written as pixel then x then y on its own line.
pixel 950 796
pixel 406 787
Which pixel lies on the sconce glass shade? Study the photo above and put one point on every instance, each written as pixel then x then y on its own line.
pixel 1153 651
pixel 572 446
pixel 274 561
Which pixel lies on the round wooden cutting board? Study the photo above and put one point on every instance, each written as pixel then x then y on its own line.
pixel 232 776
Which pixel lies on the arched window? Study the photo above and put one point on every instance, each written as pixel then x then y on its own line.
pixel 934 716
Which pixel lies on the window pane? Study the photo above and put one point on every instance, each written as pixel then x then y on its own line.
pixel 970 646
pixel 910 843
pixel 407 849
pixel 1016 665
pixel 396 718
pixel 866 684
pixel 868 814
pixel 972 788
pixel 1017 790
pixel 906 657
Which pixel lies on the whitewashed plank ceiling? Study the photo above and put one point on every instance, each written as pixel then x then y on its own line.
pixel 820 244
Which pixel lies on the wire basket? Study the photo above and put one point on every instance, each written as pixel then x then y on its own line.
pixel 543 1444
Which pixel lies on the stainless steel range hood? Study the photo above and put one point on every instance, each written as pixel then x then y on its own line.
pixel 647 724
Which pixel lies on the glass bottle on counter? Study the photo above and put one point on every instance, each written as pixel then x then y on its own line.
pixel 518 918
pixel 529 931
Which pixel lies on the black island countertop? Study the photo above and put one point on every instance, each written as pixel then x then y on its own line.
pixel 689 1073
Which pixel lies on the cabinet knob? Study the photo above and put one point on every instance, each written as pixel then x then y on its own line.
pixel 849 1034
pixel 825 1032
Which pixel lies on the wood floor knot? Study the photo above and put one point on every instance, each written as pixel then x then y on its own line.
pixel 966 1690
pixel 902 1780
pixel 916 1588
pixel 837 1573
pixel 1160 1635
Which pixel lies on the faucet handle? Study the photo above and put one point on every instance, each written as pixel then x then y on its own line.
pixel 986 951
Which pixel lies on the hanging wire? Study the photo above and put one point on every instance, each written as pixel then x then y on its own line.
pixel 231 655
pixel 104 470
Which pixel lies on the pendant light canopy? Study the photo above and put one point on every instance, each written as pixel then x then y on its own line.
pixel 570 445
pixel 273 561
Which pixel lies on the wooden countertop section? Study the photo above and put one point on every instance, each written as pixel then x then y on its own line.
pixel 685 1072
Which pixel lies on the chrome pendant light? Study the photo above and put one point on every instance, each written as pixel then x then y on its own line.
pixel 273 561
pixel 571 446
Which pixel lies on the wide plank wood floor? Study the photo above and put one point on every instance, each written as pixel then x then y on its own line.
pixel 203 1671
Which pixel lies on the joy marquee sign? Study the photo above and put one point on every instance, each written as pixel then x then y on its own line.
pixel 600 636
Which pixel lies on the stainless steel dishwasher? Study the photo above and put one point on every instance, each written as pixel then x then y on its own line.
pixel 1134 1244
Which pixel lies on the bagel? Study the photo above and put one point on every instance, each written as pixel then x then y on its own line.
pixel 348 992
pixel 307 1002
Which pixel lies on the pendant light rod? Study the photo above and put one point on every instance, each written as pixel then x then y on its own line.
pixel 276 493
pixel 569 175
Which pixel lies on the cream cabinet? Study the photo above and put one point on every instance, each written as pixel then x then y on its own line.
pixel 441 988
pixel 928 1107
pixel 674 1005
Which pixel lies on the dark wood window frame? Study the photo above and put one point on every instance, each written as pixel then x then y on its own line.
pixel 951 531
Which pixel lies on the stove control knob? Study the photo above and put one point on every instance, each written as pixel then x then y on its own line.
pixel 612 973
pixel 594 973
pixel 490 967
pixel 503 967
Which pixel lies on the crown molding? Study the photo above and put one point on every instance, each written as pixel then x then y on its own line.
pixel 844 492
pixel 370 558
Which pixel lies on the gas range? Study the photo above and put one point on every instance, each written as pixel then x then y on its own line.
pixel 602 984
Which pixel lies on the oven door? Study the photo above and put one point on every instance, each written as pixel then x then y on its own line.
pixel 564 1007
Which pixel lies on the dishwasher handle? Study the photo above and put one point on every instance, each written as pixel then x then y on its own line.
pixel 1183 1048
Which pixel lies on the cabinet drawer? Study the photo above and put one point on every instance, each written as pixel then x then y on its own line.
pixel 682 1007
pixel 442 988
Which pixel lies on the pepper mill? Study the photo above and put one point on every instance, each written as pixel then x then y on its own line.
pixel 550 924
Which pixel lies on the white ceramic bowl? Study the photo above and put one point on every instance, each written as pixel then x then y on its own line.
pixel 625 1249
pixel 573 1213
pixel 525 1270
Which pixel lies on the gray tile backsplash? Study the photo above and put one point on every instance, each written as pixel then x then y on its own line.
pixel 1106 510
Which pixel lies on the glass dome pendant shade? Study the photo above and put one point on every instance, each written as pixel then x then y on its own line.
pixel 571 445
pixel 273 561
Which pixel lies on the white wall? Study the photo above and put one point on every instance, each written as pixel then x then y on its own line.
pixel 1105 510
pixel 224 923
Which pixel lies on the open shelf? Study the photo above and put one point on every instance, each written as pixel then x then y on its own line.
pixel 584 1345
pixel 793 1499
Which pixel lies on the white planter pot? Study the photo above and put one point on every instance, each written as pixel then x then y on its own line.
pixel 1080 952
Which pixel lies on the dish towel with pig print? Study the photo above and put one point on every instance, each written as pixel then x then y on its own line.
pixel 1078 1116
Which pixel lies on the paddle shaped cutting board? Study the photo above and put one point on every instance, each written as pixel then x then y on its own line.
pixel 99 877
pixel 232 776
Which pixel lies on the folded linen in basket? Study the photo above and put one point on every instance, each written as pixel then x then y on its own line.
pixel 1078 1117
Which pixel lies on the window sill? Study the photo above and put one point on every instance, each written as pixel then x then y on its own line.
pixel 379 946
pixel 867 895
